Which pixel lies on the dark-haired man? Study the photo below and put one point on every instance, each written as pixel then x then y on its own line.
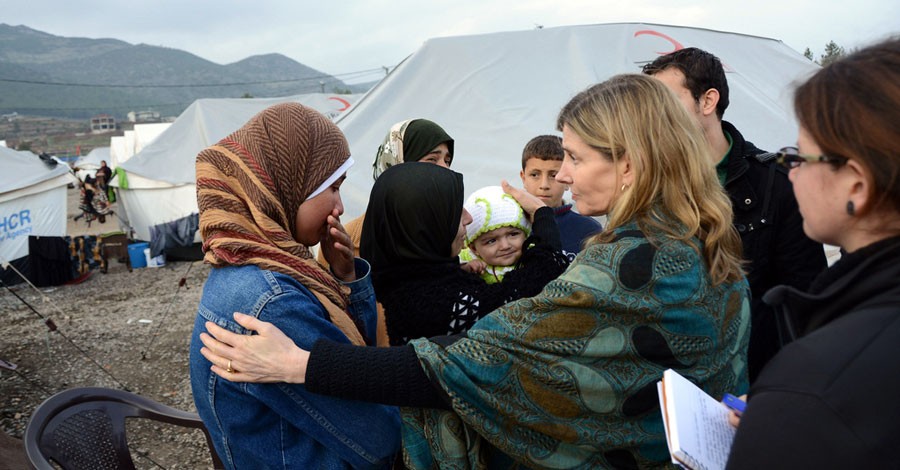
pixel 765 211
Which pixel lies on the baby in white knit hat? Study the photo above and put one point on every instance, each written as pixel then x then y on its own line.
pixel 495 240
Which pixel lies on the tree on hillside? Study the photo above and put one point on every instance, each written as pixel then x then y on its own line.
pixel 809 55
pixel 832 53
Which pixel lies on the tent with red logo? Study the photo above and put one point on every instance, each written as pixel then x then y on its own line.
pixel 494 92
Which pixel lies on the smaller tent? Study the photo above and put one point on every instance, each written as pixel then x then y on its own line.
pixel 160 187
pixel 32 204
pixel 88 164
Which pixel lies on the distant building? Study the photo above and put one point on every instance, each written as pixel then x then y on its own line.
pixel 103 123
pixel 143 116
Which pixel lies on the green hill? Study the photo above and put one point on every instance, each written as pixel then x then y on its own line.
pixel 126 77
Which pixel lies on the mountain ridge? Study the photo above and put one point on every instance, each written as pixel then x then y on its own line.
pixel 47 75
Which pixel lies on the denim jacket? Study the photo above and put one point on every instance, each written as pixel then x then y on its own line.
pixel 283 425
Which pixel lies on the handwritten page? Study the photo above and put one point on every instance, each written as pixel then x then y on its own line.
pixel 697 428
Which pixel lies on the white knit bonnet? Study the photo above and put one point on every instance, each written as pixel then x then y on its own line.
pixel 491 209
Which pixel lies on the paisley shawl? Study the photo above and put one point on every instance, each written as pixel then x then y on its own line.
pixel 567 379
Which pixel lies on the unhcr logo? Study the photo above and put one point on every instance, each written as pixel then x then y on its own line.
pixel 15 225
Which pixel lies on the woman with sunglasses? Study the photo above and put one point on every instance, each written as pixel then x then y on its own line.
pixel 830 398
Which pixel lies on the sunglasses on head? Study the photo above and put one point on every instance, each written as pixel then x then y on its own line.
pixel 790 157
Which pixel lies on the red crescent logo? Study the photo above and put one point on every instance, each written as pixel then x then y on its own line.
pixel 342 101
pixel 675 43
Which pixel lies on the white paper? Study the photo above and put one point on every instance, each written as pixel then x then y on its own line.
pixel 697 425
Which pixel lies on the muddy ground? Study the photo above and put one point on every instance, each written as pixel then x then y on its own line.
pixel 125 330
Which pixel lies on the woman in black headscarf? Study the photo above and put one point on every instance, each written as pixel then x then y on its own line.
pixel 412 140
pixel 412 235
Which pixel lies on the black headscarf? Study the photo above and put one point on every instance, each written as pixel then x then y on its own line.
pixel 421 137
pixel 413 217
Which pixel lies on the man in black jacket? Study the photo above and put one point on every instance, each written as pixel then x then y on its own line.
pixel 765 211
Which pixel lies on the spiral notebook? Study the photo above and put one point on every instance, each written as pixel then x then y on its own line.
pixel 697 429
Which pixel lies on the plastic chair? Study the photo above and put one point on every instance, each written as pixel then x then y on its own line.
pixel 84 428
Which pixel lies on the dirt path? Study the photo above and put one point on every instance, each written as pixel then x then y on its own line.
pixel 117 330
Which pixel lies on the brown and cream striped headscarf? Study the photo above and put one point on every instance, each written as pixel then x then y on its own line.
pixel 249 187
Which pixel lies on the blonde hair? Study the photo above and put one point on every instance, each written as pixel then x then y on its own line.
pixel 638 118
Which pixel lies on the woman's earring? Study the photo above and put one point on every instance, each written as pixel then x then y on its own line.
pixel 624 187
pixel 851 209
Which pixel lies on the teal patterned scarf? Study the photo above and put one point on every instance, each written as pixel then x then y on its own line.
pixel 567 379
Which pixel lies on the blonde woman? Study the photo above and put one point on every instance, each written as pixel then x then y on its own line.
pixel 566 379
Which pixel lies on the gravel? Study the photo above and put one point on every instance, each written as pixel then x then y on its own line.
pixel 124 330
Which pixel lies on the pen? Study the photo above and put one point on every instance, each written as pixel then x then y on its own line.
pixel 734 403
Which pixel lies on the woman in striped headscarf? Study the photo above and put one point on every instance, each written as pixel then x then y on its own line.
pixel 266 193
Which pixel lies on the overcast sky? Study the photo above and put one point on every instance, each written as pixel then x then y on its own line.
pixel 341 37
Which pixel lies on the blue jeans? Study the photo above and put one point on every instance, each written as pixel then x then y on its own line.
pixel 283 425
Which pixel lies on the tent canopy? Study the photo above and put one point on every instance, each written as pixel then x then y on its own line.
pixel 92 160
pixel 22 169
pixel 161 176
pixel 170 157
pixel 494 92
pixel 32 201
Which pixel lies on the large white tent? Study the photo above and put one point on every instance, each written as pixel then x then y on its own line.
pixel 494 92
pixel 161 175
pixel 32 202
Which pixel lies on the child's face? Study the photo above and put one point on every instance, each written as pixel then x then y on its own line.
pixel 538 177
pixel 499 247
pixel 312 216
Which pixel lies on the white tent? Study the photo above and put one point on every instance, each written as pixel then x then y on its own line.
pixel 88 164
pixel 118 151
pixel 494 92
pixel 161 176
pixel 131 142
pixel 146 133
pixel 32 201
